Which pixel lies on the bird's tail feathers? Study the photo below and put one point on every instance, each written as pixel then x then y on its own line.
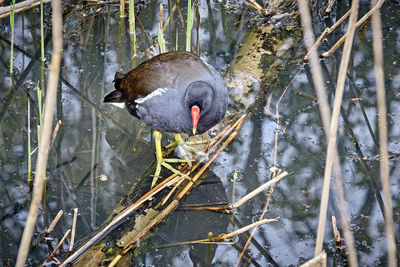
pixel 115 97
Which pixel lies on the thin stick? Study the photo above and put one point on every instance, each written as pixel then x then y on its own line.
pixel 383 135
pixel 54 72
pixel 334 125
pixel 336 232
pixel 54 222
pixel 58 246
pixel 357 25
pixel 329 7
pixel 258 190
pixel 71 245
pixel 248 227
pixel 324 34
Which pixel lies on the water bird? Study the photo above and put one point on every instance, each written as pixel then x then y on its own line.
pixel 173 92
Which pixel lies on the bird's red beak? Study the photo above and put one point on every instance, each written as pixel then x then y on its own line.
pixel 195 111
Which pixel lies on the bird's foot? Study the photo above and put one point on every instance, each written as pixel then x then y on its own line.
pixel 187 149
pixel 161 161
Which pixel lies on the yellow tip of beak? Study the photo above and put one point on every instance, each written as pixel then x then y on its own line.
pixel 194 131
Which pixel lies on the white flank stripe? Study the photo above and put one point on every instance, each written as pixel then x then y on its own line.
pixel 156 92
pixel 120 105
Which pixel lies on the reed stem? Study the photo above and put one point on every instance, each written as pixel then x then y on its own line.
pixel 189 25
pixel 12 37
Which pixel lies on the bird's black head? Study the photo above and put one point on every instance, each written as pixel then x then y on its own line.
pixel 198 100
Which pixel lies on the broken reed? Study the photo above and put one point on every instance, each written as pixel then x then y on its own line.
pixel 12 36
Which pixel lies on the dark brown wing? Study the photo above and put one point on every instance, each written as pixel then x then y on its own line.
pixel 168 70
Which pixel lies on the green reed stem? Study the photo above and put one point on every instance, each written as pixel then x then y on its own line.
pixel 121 8
pixel 189 25
pixel 161 41
pixel 39 96
pixel 132 32
pixel 41 30
pixel 29 146
pixel 12 37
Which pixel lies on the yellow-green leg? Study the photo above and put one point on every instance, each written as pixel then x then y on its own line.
pixel 163 162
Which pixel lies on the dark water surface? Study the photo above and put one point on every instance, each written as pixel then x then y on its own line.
pixel 92 166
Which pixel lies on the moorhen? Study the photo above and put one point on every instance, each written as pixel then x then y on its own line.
pixel 172 92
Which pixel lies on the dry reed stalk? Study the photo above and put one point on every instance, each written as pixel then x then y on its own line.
pixel 323 105
pixel 383 134
pixel 19 7
pixel 330 157
pixel 71 244
pixel 256 7
pixel 329 7
pixel 246 228
pixel 54 222
pixel 194 242
pixel 54 72
pixel 357 25
pixel 317 261
pixel 57 247
pixel 336 232
pixel 258 190
pixel 323 35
